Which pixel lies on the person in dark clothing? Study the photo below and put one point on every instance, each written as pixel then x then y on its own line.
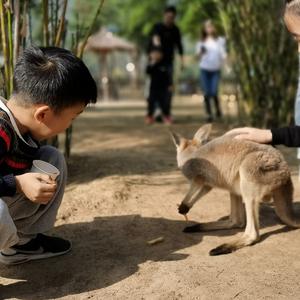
pixel 160 86
pixel 288 136
pixel 167 35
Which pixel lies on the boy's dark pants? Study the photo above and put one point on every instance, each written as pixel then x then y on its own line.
pixel 158 98
pixel 20 218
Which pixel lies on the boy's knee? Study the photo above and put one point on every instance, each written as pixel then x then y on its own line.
pixel 53 156
pixel 3 210
pixel 8 230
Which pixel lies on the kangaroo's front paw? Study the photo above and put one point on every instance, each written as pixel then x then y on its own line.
pixel 223 249
pixel 183 209
pixel 191 229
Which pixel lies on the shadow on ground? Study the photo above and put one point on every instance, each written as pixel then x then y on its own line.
pixel 108 250
pixel 85 168
pixel 105 251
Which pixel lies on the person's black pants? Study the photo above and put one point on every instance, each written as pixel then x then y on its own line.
pixel 170 93
pixel 158 98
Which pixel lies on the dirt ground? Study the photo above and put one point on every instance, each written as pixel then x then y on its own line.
pixel 123 190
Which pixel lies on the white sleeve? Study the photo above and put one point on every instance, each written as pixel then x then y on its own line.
pixel 222 43
pixel 198 48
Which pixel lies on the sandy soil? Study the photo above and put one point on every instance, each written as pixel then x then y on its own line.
pixel 123 191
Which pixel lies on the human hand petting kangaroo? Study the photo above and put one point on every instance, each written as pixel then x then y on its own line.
pixel 262 136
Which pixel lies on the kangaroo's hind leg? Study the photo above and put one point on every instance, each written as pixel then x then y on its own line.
pixel 251 234
pixel 238 213
pixel 235 220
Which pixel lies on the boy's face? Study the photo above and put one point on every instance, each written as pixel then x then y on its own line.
pixel 156 56
pixel 48 123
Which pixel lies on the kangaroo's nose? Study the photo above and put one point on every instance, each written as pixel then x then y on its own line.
pixel 183 209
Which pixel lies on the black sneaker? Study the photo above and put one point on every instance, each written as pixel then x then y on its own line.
pixel 41 247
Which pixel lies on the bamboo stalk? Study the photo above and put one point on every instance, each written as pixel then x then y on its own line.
pixel 45 23
pixel 56 19
pixel 10 45
pixel 89 31
pixel 23 31
pixel 4 48
pixel 16 31
pixel 52 21
pixel 61 25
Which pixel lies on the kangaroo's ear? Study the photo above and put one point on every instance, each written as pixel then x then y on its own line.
pixel 203 133
pixel 177 139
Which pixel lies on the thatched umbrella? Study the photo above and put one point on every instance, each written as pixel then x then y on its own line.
pixel 102 43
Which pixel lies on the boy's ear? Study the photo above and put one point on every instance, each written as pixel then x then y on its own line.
pixel 177 139
pixel 203 133
pixel 42 112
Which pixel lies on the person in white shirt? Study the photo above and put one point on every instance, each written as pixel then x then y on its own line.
pixel 210 51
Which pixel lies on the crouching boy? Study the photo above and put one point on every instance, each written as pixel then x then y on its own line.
pixel 51 88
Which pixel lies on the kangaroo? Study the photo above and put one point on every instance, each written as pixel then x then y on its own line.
pixel 251 173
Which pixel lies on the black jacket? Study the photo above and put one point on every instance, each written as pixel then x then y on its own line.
pixel 288 136
pixel 170 39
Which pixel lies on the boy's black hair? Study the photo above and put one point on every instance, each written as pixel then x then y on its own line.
pixel 53 76
pixel 171 9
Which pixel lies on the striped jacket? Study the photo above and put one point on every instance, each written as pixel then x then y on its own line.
pixel 16 156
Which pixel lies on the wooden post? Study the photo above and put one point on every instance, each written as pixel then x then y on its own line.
pixel 104 76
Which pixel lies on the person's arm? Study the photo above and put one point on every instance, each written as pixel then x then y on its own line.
pixel 199 50
pixel 222 44
pixel 179 46
pixel 179 42
pixel 288 136
pixel 7 182
pixel 38 188
pixel 154 37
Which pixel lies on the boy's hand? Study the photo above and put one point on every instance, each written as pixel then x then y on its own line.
pixel 171 88
pixel 262 136
pixel 39 188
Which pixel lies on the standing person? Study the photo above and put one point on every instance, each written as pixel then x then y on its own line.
pixel 160 85
pixel 288 136
pixel 166 35
pixel 210 50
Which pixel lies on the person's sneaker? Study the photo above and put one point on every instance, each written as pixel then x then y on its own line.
pixel 149 120
pixel 41 247
pixel 168 120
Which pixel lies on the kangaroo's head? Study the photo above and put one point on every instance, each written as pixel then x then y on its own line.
pixel 186 148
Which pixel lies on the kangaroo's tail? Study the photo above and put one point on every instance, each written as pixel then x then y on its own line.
pixel 283 200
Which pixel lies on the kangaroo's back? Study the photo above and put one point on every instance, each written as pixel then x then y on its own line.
pixel 220 160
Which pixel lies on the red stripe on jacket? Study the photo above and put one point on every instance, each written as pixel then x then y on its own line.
pixel 5 137
pixel 16 165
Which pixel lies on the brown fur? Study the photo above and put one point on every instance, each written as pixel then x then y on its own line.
pixel 251 173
